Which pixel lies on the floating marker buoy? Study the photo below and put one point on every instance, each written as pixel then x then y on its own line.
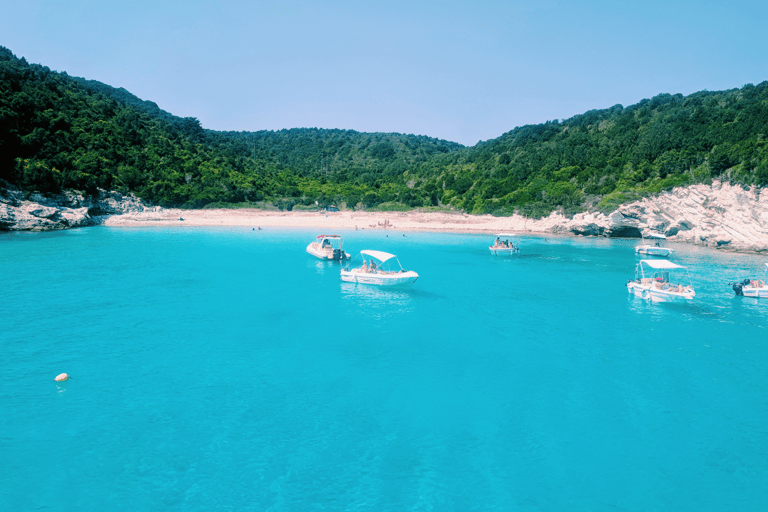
pixel 61 377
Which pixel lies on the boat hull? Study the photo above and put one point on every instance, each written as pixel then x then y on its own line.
pixel 638 291
pixel 504 251
pixel 380 278
pixel 653 251
pixel 326 254
pixel 650 292
pixel 751 291
pixel 677 298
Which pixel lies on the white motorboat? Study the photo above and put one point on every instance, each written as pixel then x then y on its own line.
pixel 752 287
pixel 328 247
pixel 652 281
pixel 655 249
pixel 381 268
pixel 502 245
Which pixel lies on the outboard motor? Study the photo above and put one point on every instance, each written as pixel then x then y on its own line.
pixel 739 287
pixel 337 254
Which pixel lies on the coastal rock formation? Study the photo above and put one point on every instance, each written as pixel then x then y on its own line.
pixel 20 211
pixel 718 215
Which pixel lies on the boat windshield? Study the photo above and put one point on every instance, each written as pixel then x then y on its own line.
pixel 329 241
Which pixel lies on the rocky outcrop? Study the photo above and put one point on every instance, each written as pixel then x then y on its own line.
pixel 718 215
pixel 20 211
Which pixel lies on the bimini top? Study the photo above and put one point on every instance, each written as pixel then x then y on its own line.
pixel 499 235
pixel 661 264
pixel 327 236
pixel 379 255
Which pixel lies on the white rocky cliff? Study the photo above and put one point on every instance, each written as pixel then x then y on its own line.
pixel 717 215
pixel 37 212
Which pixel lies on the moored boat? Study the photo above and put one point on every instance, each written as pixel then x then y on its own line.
pixel 655 249
pixel 752 287
pixel 381 269
pixel 328 247
pixel 502 246
pixel 654 280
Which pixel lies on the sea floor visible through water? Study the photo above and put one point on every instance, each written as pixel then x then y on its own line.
pixel 227 369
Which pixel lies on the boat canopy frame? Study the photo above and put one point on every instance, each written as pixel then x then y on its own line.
pixel 378 255
pixel 661 264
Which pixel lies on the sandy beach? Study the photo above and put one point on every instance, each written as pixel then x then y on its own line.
pixel 719 215
pixel 402 221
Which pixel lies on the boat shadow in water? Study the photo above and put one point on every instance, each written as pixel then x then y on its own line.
pixel 685 310
pixel 385 293
pixel 519 256
pixel 325 266
pixel 375 300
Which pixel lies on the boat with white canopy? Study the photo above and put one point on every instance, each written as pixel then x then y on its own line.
pixel 661 281
pixel 655 249
pixel 505 244
pixel 328 247
pixel 380 268
pixel 752 287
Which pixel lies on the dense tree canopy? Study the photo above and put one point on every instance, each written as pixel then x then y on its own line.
pixel 58 131
pixel 607 157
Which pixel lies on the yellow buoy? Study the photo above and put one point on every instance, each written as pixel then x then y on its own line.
pixel 61 377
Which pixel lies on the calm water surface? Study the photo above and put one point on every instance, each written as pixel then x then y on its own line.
pixel 226 369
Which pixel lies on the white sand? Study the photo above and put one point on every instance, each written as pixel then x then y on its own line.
pixel 402 221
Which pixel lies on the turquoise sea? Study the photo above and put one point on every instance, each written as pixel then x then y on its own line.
pixel 226 369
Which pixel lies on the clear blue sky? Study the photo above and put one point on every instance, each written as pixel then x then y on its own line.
pixel 463 71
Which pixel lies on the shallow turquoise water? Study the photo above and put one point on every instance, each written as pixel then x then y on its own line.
pixel 226 369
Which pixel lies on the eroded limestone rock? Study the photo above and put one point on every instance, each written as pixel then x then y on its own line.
pixel 20 211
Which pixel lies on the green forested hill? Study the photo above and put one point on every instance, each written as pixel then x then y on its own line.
pixel 58 131
pixel 607 157
pixel 310 150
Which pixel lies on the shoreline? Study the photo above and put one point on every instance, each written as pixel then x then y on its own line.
pixel 717 215
pixel 413 221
